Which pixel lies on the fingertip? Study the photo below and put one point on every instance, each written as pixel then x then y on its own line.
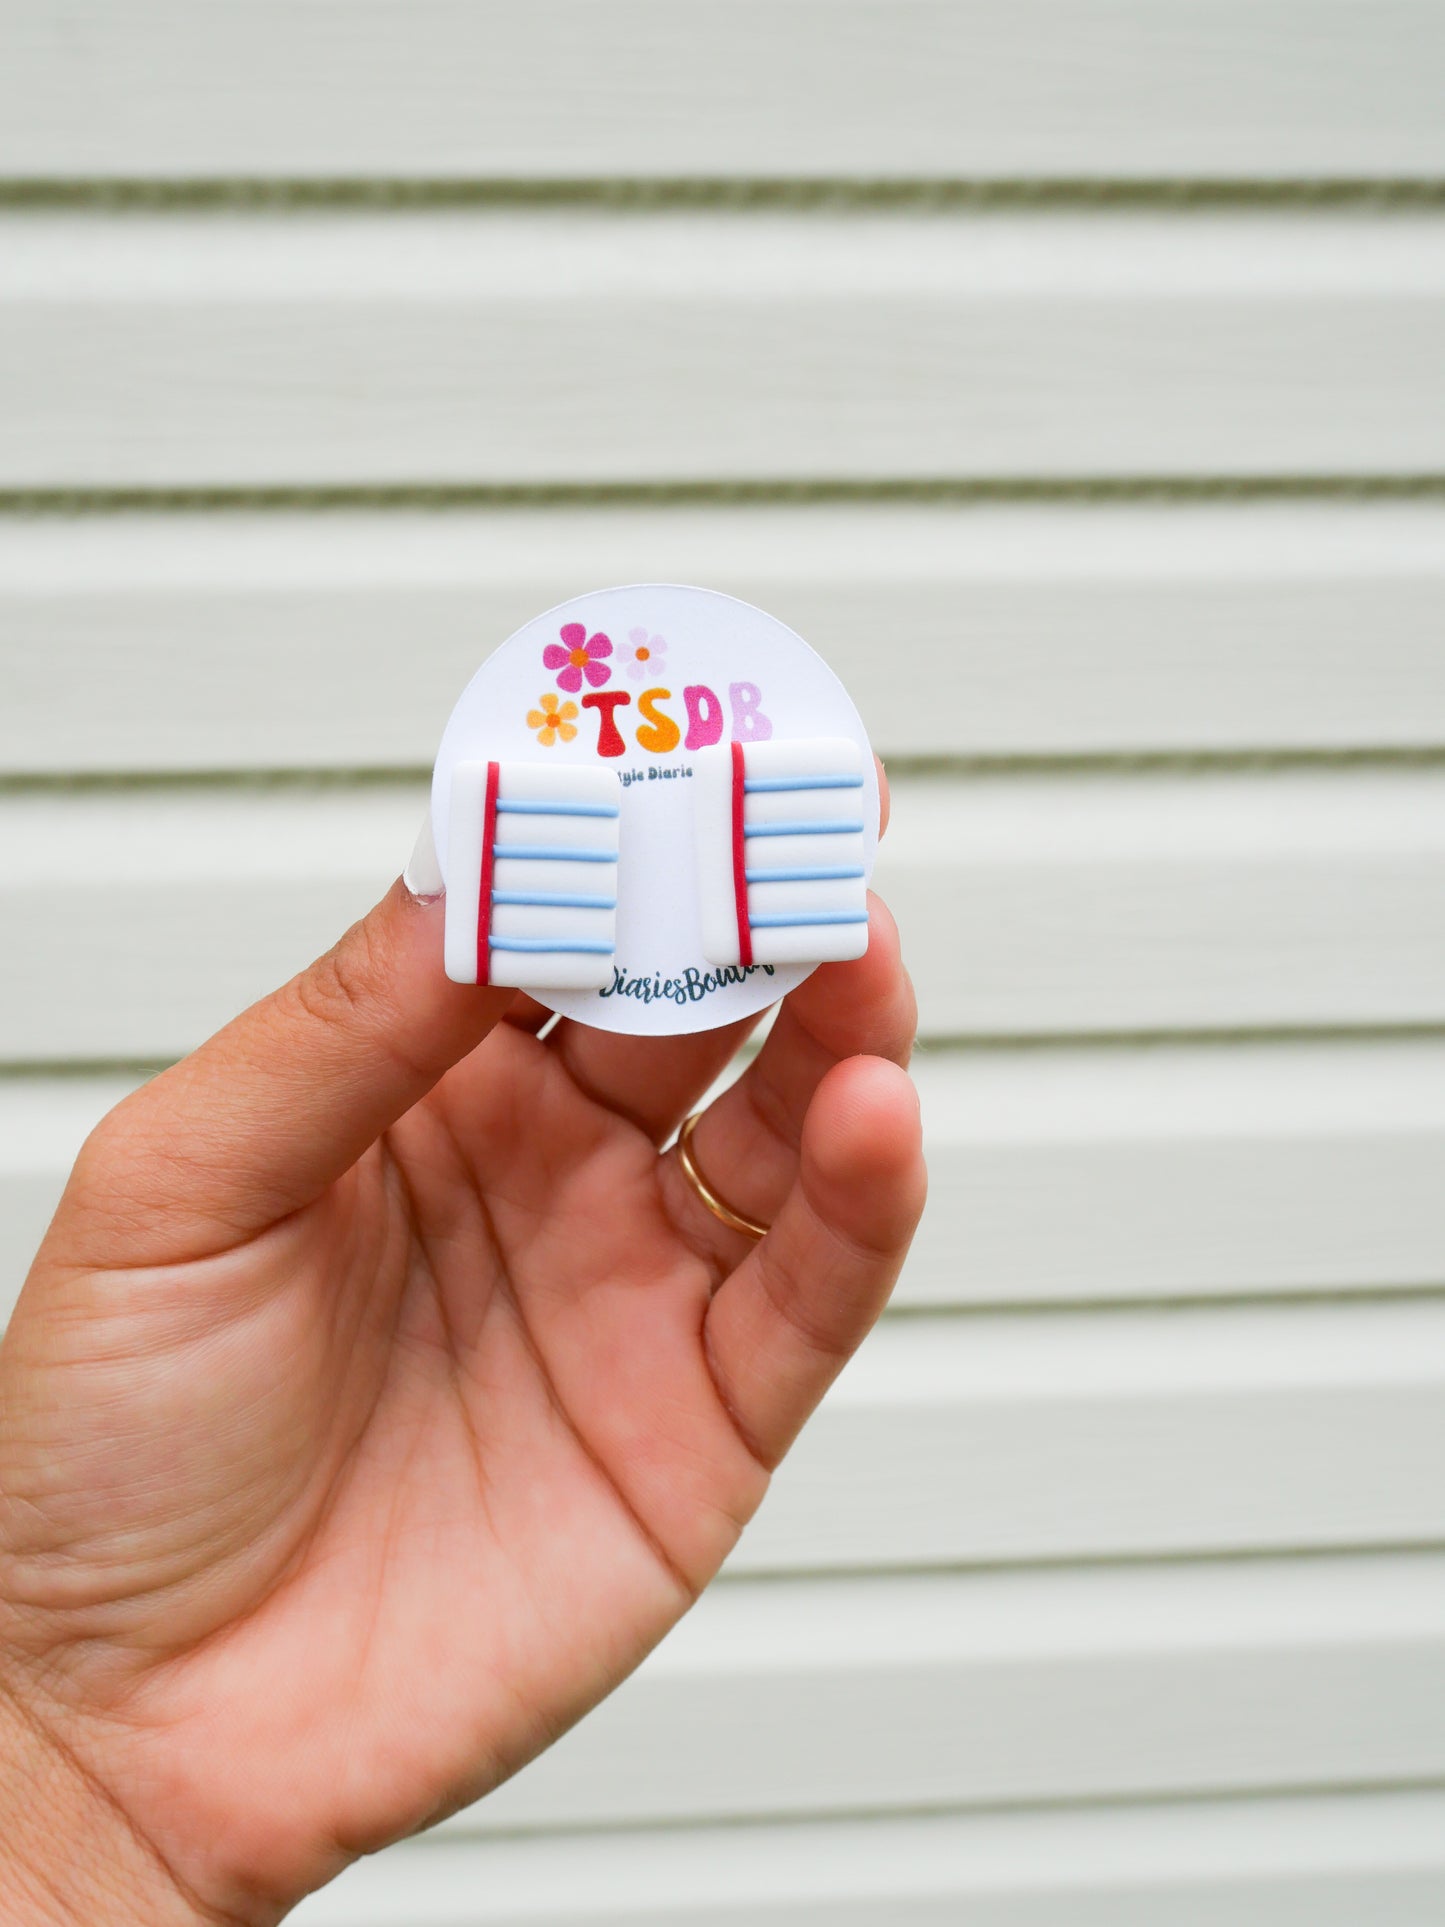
pixel 864 1107
pixel 885 801
pixel 885 946
pixel 863 1152
pixel 866 1004
pixel 888 982
pixel 880 967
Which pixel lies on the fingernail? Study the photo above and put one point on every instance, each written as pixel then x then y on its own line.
pixel 422 875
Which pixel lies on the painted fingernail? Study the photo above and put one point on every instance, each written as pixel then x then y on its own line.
pixel 422 875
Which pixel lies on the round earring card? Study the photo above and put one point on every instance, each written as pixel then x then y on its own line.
pixel 728 854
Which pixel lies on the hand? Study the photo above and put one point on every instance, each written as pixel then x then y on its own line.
pixel 380 1396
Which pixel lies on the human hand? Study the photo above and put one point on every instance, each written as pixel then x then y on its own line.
pixel 379 1397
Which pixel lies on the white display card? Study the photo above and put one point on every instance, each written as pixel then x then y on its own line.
pixel 640 681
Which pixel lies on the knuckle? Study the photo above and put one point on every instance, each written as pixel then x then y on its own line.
pixel 340 986
pixel 811 1320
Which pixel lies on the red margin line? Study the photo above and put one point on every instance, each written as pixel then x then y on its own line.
pixel 740 873
pixel 484 886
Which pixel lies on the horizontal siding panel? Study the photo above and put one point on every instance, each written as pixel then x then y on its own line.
pixel 139 643
pixel 1181 1171
pixel 1119 1433
pixel 1138 902
pixel 729 88
pixel 792 1697
pixel 1330 1861
pixel 1066 1175
pixel 552 346
pixel 142 920
pixel 1033 904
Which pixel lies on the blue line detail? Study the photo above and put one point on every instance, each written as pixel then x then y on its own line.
pixel 827 874
pixel 545 945
pixel 797 923
pixel 557 809
pixel 752 783
pixel 554 897
pixel 541 853
pixel 802 829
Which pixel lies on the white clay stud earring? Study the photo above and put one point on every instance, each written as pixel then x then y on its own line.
pixel 532 875
pixel 781 873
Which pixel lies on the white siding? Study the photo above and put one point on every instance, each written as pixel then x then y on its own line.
pixel 1313 1862
pixel 1107 1590
pixel 566 346
pixel 741 89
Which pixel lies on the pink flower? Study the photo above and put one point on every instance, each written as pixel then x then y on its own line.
pixel 646 657
pixel 577 655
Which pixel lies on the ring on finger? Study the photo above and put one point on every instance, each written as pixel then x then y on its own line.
pixel 719 1207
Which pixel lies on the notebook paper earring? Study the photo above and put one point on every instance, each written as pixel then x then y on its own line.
pixel 533 897
pixel 781 872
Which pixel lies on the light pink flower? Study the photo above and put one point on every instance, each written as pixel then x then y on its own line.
pixel 646 657
pixel 578 655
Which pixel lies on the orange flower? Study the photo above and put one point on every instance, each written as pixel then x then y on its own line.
pixel 552 720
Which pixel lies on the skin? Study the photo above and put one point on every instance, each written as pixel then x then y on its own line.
pixel 380 1396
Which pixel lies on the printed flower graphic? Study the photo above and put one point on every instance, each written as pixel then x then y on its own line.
pixel 647 655
pixel 578 655
pixel 552 720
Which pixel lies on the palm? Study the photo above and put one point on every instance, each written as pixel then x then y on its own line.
pixel 376 1499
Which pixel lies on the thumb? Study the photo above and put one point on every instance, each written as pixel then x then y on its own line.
pixel 262 1117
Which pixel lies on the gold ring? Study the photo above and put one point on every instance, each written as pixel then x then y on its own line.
pixel 724 1213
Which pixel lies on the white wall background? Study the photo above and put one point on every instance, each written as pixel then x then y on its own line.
pixel 1071 372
